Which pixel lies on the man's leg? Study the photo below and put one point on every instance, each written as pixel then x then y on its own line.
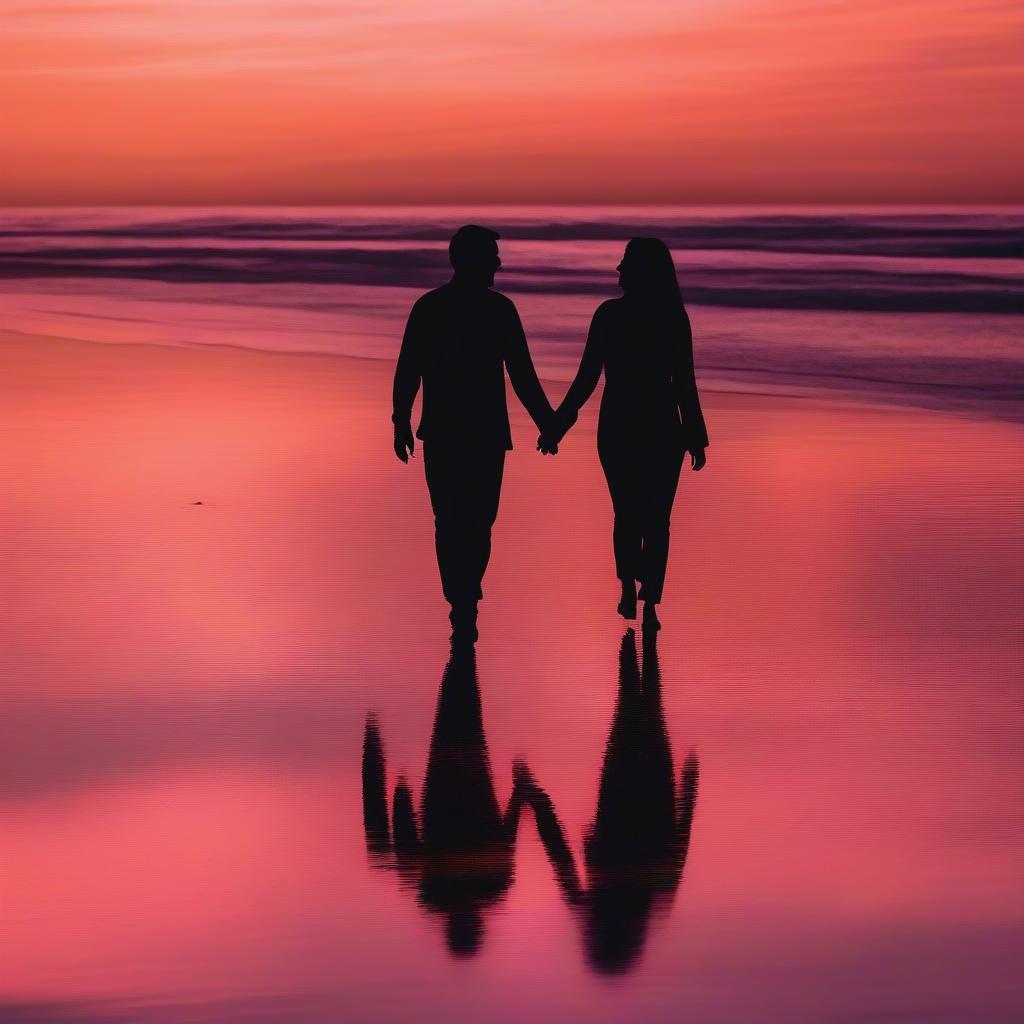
pixel 443 483
pixel 484 486
pixel 464 493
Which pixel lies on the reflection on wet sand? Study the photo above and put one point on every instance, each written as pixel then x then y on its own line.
pixel 636 848
pixel 185 691
pixel 459 856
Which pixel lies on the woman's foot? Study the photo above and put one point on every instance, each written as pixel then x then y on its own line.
pixel 463 620
pixel 627 603
pixel 651 616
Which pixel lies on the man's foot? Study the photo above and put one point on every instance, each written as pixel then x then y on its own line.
pixel 463 620
pixel 627 604
pixel 464 636
pixel 651 617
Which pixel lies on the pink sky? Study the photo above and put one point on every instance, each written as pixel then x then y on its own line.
pixel 319 101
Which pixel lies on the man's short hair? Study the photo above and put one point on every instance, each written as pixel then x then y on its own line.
pixel 469 243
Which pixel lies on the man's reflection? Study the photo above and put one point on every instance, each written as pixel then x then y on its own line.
pixel 459 855
pixel 636 848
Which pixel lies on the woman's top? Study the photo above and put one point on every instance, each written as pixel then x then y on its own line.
pixel 650 393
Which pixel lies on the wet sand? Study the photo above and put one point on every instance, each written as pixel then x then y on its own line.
pixel 216 568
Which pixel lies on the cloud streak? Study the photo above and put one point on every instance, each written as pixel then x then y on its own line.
pixel 743 100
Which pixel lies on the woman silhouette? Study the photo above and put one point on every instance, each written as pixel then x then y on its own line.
pixel 650 414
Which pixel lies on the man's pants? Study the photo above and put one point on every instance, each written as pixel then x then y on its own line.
pixel 464 491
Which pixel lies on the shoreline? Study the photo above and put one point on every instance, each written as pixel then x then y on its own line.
pixel 839 398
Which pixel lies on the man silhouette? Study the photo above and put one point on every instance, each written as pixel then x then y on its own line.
pixel 459 340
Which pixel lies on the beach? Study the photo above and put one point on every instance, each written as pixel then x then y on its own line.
pixel 254 769
pixel 217 568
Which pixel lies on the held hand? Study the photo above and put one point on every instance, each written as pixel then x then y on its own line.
pixel 547 444
pixel 521 777
pixel 405 443
pixel 523 780
pixel 554 430
pixel 549 437
pixel 697 459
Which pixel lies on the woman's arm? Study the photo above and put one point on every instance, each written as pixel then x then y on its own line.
pixel 552 835
pixel 687 802
pixel 684 380
pixel 587 375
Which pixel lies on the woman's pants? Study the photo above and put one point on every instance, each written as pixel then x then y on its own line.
pixel 642 482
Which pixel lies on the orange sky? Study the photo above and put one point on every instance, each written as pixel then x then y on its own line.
pixel 320 101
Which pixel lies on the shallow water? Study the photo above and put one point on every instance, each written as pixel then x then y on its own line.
pixel 919 306
pixel 187 692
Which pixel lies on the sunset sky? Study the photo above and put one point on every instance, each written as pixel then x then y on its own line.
pixel 323 101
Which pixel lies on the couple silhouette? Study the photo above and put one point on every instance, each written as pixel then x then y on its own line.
pixel 458 852
pixel 459 341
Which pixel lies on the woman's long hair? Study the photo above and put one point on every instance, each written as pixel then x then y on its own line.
pixel 652 277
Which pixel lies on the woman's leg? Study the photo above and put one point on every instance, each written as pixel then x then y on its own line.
pixel 620 473
pixel 660 479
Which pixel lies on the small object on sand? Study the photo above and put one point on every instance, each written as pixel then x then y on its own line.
pixel 197 503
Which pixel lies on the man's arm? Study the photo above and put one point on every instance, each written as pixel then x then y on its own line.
pixel 408 374
pixel 522 373
pixel 375 801
pixel 403 814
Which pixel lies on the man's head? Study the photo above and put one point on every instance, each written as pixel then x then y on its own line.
pixel 473 252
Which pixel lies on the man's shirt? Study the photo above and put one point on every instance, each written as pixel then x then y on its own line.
pixel 458 342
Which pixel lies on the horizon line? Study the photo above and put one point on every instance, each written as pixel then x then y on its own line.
pixel 495 204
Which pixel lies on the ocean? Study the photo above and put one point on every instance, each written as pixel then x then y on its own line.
pixel 914 306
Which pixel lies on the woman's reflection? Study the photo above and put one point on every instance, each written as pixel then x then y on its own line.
pixel 636 848
pixel 459 855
